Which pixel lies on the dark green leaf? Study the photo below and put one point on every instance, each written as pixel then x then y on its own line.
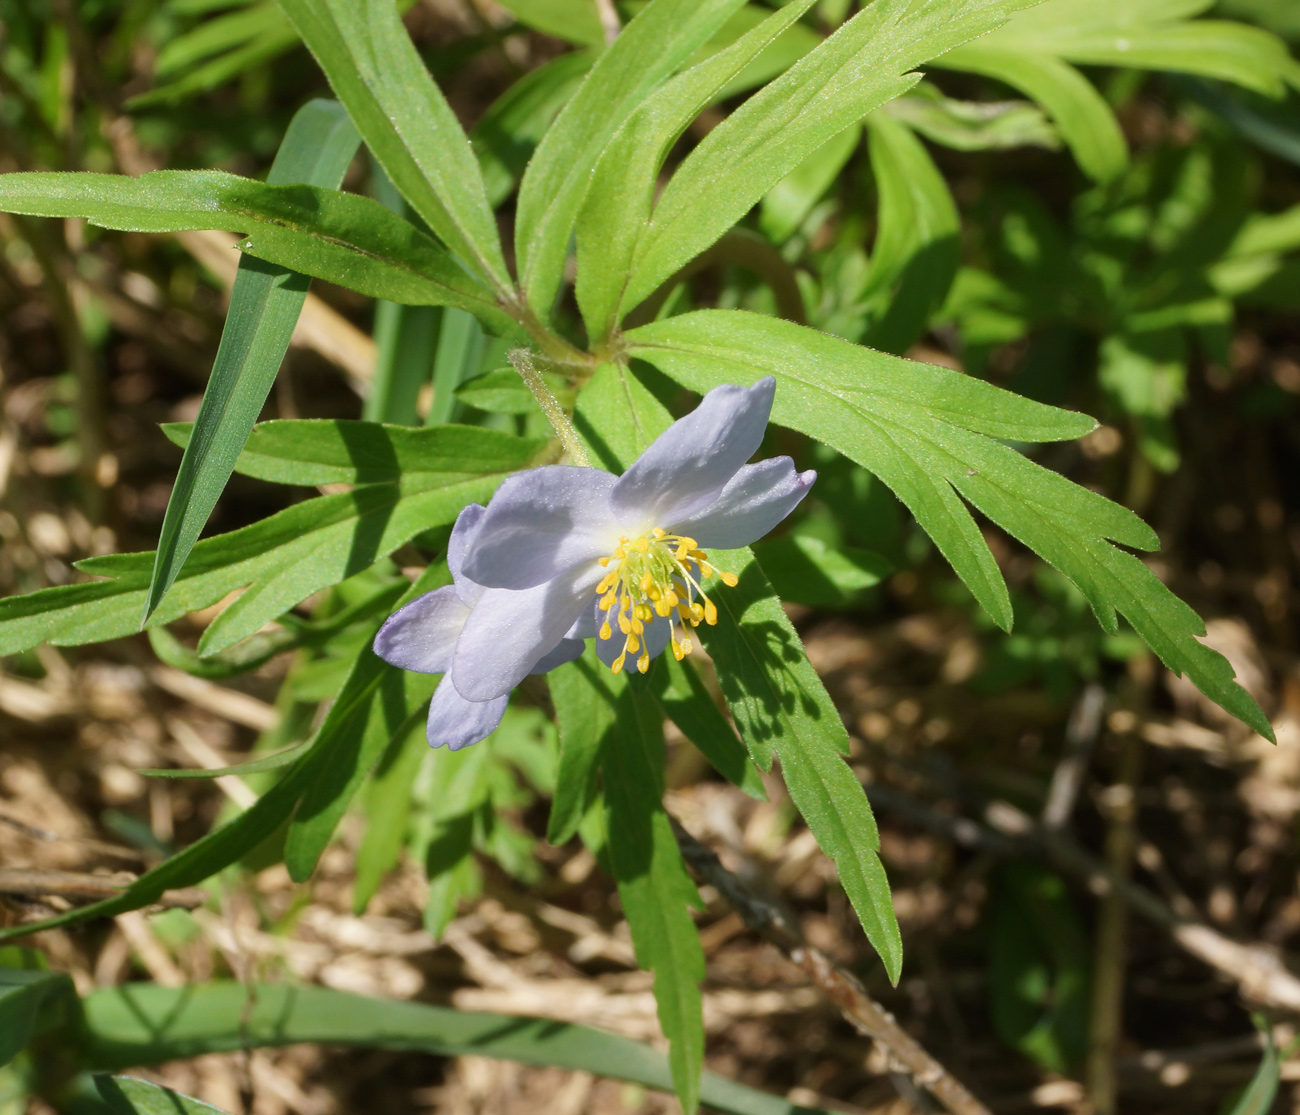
pixel 584 694
pixel 653 884
pixel 935 440
pixel 142 1024
pixel 805 570
pixel 779 703
pixel 127 1096
pixel 30 1001
pixel 387 810
pixel 688 704
pixel 253 766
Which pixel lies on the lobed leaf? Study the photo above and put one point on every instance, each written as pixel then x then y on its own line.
pixel 863 65
pixel 619 200
pixel 648 49
pixel 932 443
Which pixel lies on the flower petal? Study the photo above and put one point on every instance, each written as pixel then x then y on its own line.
pixel 508 632
pixel 455 722
pixel 758 497
pixel 462 539
pixel 656 637
pixel 567 651
pixel 688 465
pixel 542 523
pixel 422 635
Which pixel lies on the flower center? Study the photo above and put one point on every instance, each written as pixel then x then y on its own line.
pixel 658 574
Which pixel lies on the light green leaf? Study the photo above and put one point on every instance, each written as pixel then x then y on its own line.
pixel 916 253
pixel 144 1024
pixel 974 125
pixel 253 766
pixel 786 205
pixel 214 36
pixel 653 884
pixel 864 64
pixel 375 71
pixel 617 417
pixel 1070 100
pixel 775 58
pixel 688 704
pixel 585 695
pixel 614 216
pixel 350 240
pixel 1259 1094
pixel 503 392
pixel 387 812
pixel 459 356
pixel 312 451
pixel 128 1096
pixel 575 21
pixel 779 703
pixel 264 305
pixel 281 560
pixel 1033 50
pixel 651 47
pixel 934 439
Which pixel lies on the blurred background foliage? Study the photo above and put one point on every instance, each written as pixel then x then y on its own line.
pixel 1105 217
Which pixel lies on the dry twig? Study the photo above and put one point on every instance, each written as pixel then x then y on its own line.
pixel 766 919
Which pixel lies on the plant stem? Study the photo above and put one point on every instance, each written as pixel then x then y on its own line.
pixel 522 360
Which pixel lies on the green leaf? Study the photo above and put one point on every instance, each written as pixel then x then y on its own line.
pixel 688 704
pixel 31 1001
pixel 144 1024
pixel 254 766
pixel 283 559
pixel 651 47
pixel 375 71
pixel 933 440
pixel 214 36
pixel 653 884
pixel 459 356
pixel 787 204
pixel 508 133
pixel 350 240
pixel 916 253
pixel 312 451
pixel 389 707
pixel 805 570
pixel 1033 50
pixel 1259 1094
pixel 618 203
pixel 387 812
pixel 264 305
pixel 1085 120
pixel 585 696
pixel 575 21
pixel 617 417
pixel 503 392
pixel 334 742
pixel 863 65
pixel 775 58
pixel 128 1096
pixel 779 703
pixel 974 125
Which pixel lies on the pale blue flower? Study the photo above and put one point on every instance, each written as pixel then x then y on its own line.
pixel 422 637
pixel 564 553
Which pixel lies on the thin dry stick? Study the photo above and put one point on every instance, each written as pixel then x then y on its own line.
pixel 1110 955
pixel 1256 968
pixel 844 989
pixel 76 886
pixel 1080 736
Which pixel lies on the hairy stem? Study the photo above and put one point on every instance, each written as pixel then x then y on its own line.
pixel 522 360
